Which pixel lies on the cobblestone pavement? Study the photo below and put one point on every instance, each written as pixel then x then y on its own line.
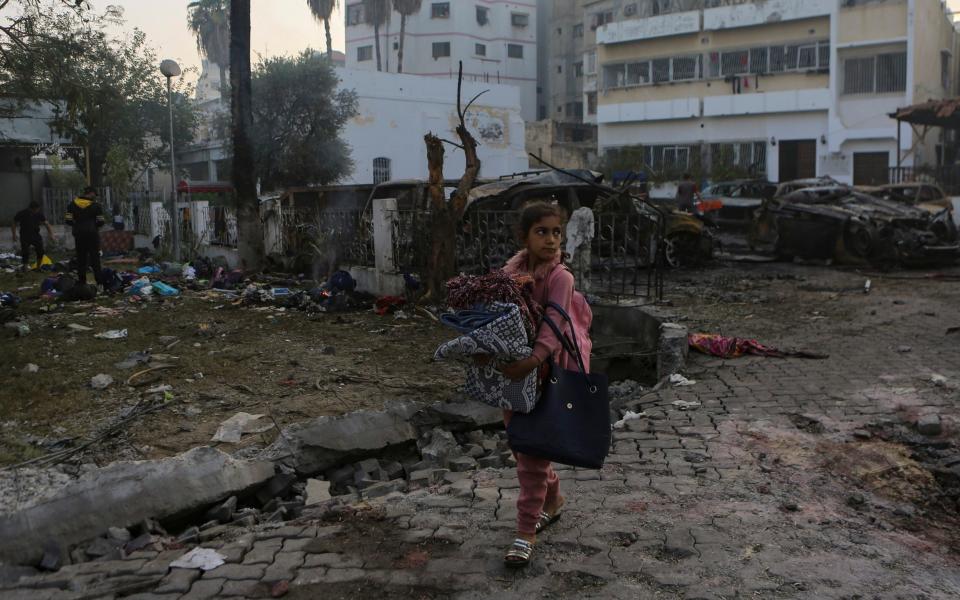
pixel 792 479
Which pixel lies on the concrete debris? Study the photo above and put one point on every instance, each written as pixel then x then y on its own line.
pixel 938 380
pixel 234 428
pixel 672 350
pixel 458 416
pixel 278 487
pixel 685 404
pixel 326 442
pixel 22 488
pixel 120 534
pixel 205 559
pixel 222 513
pixel 317 492
pixel 930 425
pixel 101 381
pixel 31 368
pixel 439 448
pixel 123 494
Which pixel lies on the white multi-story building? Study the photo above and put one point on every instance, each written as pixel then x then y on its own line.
pixel 790 88
pixel 495 39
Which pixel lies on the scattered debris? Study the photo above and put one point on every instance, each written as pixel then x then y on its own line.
pixel 101 381
pixel 930 425
pixel 20 328
pixel 113 334
pixel 733 347
pixel 679 380
pixel 628 416
pixel 79 328
pixel 686 405
pixel 133 359
pixel 31 368
pixel 205 559
pixel 317 491
pixel 233 429
pixel 904 349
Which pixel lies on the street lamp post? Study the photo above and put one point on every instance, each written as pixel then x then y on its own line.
pixel 171 69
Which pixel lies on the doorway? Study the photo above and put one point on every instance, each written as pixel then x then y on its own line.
pixel 871 168
pixel 798 159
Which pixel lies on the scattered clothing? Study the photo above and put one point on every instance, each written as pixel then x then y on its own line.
pixel 388 304
pixel 732 347
pixel 505 340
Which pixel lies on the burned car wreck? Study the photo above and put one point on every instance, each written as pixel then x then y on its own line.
pixel 849 227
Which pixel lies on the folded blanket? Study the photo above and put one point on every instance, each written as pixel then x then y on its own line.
pixel 505 340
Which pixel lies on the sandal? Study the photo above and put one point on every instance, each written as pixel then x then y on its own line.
pixel 519 554
pixel 546 520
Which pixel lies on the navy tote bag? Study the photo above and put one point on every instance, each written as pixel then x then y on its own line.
pixel 570 424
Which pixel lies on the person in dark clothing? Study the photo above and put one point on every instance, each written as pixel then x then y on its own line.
pixel 686 193
pixel 85 216
pixel 29 221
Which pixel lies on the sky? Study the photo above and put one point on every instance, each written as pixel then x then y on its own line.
pixel 278 27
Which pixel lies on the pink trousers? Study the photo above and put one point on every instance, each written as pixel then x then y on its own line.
pixel 539 484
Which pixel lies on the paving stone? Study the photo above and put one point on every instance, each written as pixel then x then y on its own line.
pixel 235 572
pixel 284 567
pixel 244 589
pixel 337 561
pixel 679 543
pixel 263 552
pixel 204 589
pixel 178 580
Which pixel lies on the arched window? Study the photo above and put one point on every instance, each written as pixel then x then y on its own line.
pixel 381 170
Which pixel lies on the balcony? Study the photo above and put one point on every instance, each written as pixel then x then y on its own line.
pixel 648 28
pixel 767 103
pixel 656 110
pixel 761 13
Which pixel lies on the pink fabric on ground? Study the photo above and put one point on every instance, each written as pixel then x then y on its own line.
pixel 539 484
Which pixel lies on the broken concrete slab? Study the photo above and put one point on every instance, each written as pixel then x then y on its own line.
pixel 930 425
pixel 458 416
pixel 123 494
pixel 317 491
pixel 326 442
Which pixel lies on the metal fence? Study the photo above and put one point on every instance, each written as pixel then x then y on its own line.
pixel 948 178
pixel 337 238
pixel 620 261
pixel 133 206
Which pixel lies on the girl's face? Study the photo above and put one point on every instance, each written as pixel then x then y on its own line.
pixel 543 239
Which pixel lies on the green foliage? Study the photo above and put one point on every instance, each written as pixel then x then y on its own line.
pixel 105 92
pixel 298 115
pixel 209 21
pixel 120 172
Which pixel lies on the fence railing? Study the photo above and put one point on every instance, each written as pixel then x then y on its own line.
pixel 948 178
pixel 338 238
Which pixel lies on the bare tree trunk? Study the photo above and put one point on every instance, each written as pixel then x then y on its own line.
pixel 250 229
pixel 403 33
pixel 376 43
pixel 447 215
pixel 223 84
pixel 326 26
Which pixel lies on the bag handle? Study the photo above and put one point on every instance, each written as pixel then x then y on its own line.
pixel 573 328
pixel 570 346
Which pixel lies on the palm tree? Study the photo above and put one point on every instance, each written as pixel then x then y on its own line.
pixel 406 8
pixel 322 11
pixel 209 20
pixel 376 13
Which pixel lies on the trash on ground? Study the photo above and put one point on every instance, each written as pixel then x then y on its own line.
pixel 733 347
pixel 133 359
pixel 101 381
pixel 628 416
pixel 233 429
pixel 686 405
pixel 80 328
pixel 679 380
pixel 113 334
pixel 205 559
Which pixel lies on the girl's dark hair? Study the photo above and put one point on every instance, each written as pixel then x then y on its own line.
pixel 532 214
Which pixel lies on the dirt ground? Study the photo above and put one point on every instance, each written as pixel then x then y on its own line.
pixel 293 366
pixel 224 359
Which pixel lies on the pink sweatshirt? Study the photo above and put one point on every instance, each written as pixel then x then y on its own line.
pixel 553 283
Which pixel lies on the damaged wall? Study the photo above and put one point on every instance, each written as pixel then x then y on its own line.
pixel 396 111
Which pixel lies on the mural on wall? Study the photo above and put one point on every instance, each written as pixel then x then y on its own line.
pixel 491 126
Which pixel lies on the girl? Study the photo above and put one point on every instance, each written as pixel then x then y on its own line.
pixel 541 234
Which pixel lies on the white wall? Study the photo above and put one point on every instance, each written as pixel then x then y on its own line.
pixel 396 111
pixel 463 32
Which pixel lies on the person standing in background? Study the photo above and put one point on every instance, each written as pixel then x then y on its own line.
pixel 85 216
pixel 687 191
pixel 29 221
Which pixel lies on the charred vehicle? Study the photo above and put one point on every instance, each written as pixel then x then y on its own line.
pixel 847 226
pixel 927 196
pixel 625 223
pixel 732 204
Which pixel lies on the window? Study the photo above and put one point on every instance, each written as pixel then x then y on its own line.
pixel 440 10
pixel 749 156
pixel 578 30
pixel 881 74
pixel 578 70
pixel 480 49
pixel 354 14
pixel 892 72
pixel 592 63
pixel 559 69
pixel 758 60
pixel 807 57
pixel 519 19
pixel 483 15
pixel 364 53
pixel 591 103
pixel 630 10
pixel 765 60
pixel 734 63
pixel 685 68
pixel 514 51
pixel 659 70
pixel 441 49
pixel 638 73
pixel 600 19
pixel 381 170
pixel 945 68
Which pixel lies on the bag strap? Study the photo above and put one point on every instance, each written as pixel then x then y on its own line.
pixel 573 328
pixel 571 348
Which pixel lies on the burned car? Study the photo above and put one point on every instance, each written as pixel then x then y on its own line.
pixel 625 223
pixel 927 196
pixel 732 204
pixel 847 226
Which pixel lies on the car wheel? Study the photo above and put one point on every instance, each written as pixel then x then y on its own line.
pixel 682 250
